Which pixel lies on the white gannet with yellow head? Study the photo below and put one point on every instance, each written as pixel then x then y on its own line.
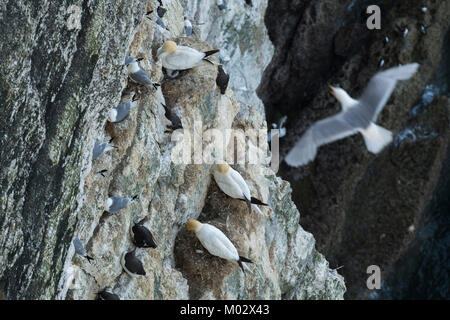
pixel 232 184
pixel 176 57
pixel 216 242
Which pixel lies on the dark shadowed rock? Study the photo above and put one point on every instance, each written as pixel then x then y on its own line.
pixel 359 206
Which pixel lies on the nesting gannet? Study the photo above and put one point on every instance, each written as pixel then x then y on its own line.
pixel 174 119
pixel 136 73
pixel 222 79
pixel 131 264
pixel 142 237
pixel 115 204
pixel 105 295
pixel 232 184
pixel 79 249
pixel 187 27
pixel 175 57
pixel 122 110
pixel 356 116
pixel 216 242
pixel 101 147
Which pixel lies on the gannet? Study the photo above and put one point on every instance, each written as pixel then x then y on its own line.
pixel 356 116
pixel 216 242
pixel 232 184
pixel 175 57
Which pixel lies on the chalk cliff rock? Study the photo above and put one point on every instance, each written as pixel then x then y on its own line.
pixel 58 84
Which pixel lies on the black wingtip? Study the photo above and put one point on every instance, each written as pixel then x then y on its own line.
pixel 244 259
pixel 89 258
pixel 241 265
pixel 259 202
pixel 156 85
pixel 210 52
pixel 249 205
pixel 135 197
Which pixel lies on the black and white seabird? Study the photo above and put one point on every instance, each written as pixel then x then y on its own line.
pixel 115 204
pixel 101 147
pixel 222 79
pixel 79 249
pixel 142 237
pixel 356 116
pixel 136 73
pixel 122 110
pixel 131 264
pixel 174 119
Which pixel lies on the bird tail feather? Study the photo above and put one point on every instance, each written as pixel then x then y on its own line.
pixel 376 138
pixel 257 201
pixel 249 204
pixel 243 259
pixel 208 53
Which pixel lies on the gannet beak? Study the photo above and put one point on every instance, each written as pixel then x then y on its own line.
pixel 332 90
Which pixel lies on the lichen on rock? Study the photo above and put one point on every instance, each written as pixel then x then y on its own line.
pixel 52 191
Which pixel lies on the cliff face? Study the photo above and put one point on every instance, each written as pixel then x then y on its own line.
pixel 58 85
pixel 362 209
